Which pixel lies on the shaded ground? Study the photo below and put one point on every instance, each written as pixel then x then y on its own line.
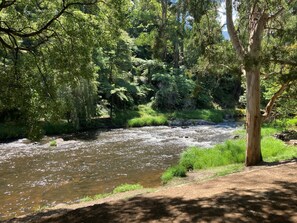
pixel 262 194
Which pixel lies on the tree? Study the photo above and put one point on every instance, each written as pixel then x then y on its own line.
pixel 257 16
pixel 26 25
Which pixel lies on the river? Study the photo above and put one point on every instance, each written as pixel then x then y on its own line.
pixel 37 175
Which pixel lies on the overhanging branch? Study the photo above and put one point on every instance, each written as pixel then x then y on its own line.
pixel 46 25
pixel 271 102
pixel 284 62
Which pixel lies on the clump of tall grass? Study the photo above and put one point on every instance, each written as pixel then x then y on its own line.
pixel 230 152
pixel 175 171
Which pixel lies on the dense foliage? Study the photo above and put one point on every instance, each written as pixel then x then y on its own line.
pixel 70 61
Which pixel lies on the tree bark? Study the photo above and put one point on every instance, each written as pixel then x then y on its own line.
pixel 253 118
pixel 251 67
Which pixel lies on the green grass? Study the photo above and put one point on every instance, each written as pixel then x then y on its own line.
pixel 276 150
pixel 232 152
pixel 227 153
pixel 148 121
pixel 145 115
pixel 175 171
pixel 86 199
pixel 126 187
pixel 266 130
pixel 225 170
pixel 119 189
pixel 292 122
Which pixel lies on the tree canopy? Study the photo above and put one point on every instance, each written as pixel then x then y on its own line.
pixel 75 60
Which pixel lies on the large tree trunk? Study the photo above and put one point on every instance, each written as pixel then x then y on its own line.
pixel 253 118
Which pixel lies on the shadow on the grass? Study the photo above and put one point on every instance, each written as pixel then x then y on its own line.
pixel 232 206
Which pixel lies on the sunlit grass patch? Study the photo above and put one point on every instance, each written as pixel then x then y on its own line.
pixel 127 187
pixel 119 189
pixel 276 150
pixel 147 120
pixel 175 171
pixel 232 152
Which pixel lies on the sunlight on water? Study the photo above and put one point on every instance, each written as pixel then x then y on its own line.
pixel 36 175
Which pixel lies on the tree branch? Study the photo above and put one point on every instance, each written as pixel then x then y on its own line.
pixel 46 25
pixel 271 102
pixel 273 16
pixel 232 32
pixel 285 62
pixel 5 4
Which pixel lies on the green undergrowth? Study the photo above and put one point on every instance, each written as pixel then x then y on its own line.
pixel 145 115
pixel 229 152
pixel 119 189
pixel 285 123
pixel 142 115
pixel 205 114
pixel 10 131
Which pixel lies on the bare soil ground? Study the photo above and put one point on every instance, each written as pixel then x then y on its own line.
pixel 266 193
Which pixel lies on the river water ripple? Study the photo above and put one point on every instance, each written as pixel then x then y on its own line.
pixel 36 175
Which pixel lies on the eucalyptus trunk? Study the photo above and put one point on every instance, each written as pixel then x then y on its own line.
pixel 253 118
pixel 251 61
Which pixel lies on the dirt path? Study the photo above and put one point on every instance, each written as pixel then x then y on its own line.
pixel 261 194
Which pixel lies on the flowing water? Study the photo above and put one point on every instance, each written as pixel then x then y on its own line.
pixel 38 175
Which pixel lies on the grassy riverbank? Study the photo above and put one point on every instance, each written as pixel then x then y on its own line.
pixel 231 152
pixel 119 189
pixel 145 115
pixel 142 115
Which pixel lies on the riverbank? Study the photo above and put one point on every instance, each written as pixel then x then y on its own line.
pixel 265 193
pixel 232 152
pixel 143 115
